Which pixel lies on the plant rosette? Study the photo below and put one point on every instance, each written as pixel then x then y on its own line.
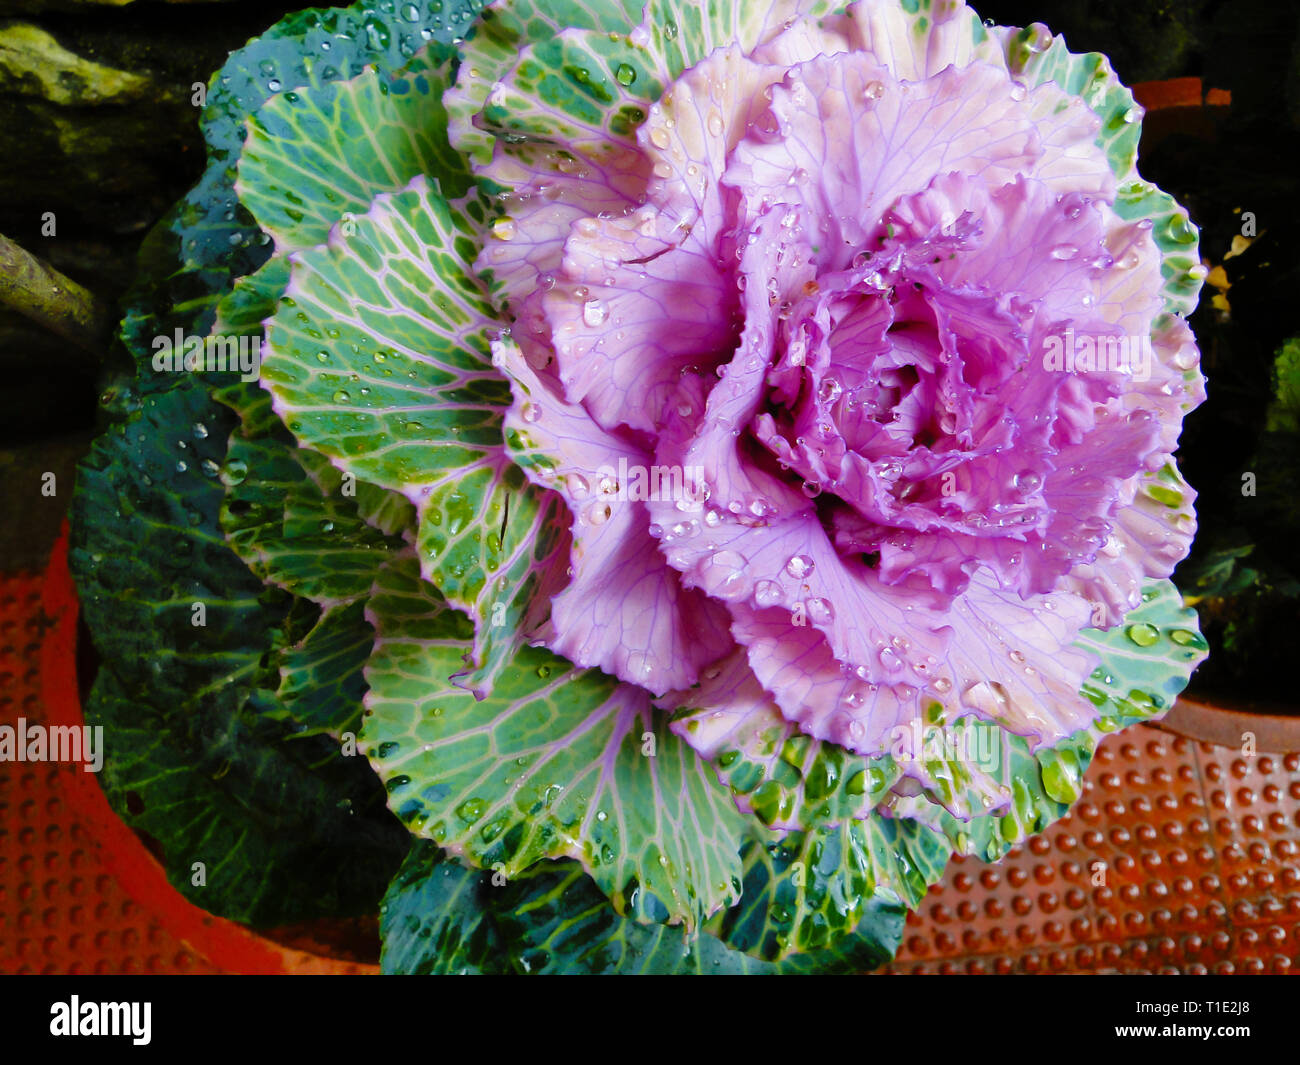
pixel 714 463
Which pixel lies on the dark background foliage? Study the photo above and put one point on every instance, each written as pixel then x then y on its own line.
pixel 97 125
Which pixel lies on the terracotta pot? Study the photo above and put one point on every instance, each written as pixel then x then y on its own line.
pixel 1179 104
pixel 1245 726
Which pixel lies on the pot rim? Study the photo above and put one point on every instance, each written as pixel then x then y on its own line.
pixel 1232 723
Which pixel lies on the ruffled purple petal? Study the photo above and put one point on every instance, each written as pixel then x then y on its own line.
pixel 624 610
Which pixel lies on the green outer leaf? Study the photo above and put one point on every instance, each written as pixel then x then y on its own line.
pixel 389 512
pixel 436 920
pixel 1140 681
pixel 321 680
pixel 208 239
pixel 1040 785
pixel 252 299
pixel 558 921
pixel 502 33
pixel 582 91
pixel 810 892
pixel 140 574
pixel 785 777
pixel 398 291
pixel 549 765
pixel 319 154
pixel 287 530
pixel 379 358
pixel 440 917
pixel 1175 236
pixel 561 923
pixel 199 754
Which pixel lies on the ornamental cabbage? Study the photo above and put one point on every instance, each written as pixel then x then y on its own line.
pixel 732 451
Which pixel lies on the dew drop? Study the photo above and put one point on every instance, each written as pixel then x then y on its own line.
pixel 1038 38
pixel 989 698
pixel 820 611
pixel 727 572
pixel 1142 634
pixel 799 566
pixel 829 390
pixel 1028 481
pixel 234 472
